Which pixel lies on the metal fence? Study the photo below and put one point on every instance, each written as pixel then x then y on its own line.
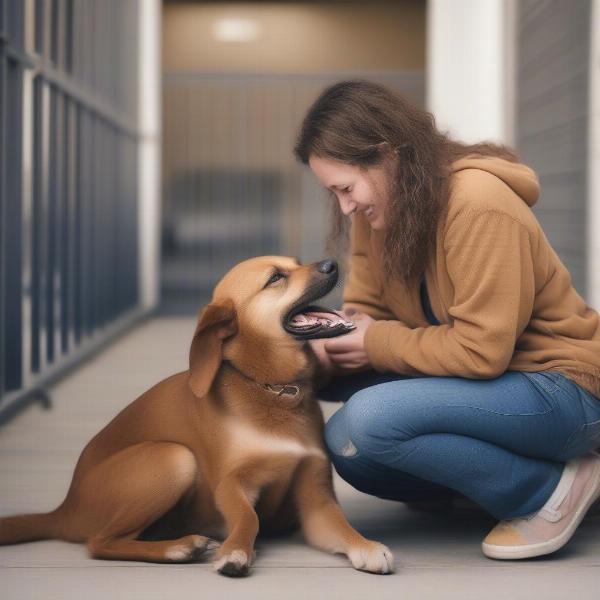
pixel 68 184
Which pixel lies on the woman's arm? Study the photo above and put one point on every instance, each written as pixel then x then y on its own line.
pixel 489 260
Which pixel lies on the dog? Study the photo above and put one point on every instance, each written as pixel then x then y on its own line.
pixel 209 453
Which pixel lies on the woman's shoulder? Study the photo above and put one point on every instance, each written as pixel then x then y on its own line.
pixel 474 191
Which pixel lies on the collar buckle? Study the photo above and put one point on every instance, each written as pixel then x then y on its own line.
pixel 287 390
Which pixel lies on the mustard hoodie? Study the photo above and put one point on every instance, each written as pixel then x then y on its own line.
pixel 502 296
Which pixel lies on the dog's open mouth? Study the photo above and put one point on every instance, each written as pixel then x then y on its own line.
pixel 307 321
pixel 317 322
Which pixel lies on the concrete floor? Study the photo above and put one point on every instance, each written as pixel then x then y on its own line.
pixel 437 555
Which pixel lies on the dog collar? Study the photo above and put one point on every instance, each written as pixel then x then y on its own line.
pixel 280 390
pixel 287 391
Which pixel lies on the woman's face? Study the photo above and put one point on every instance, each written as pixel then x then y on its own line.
pixel 356 189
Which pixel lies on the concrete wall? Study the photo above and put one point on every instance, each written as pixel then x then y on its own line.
pixel 296 37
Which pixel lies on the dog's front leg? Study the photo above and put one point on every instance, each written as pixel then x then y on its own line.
pixel 234 499
pixel 324 524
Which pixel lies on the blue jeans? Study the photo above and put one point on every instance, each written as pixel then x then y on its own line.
pixel 500 442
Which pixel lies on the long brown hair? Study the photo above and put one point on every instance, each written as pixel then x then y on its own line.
pixel 357 122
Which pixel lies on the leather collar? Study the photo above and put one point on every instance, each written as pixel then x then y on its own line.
pixel 290 392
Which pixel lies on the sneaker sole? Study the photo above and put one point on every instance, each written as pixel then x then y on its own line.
pixel 552 545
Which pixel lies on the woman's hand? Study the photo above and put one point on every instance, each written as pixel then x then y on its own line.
pixel 318 347
pixel 346 353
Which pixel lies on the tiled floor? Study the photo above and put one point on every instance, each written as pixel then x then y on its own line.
pixel 437 555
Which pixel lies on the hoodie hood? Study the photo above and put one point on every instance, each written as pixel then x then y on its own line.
pixel 520 178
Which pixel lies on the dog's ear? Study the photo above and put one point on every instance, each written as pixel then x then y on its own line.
pixel 217 321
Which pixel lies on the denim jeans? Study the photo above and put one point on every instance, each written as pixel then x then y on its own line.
pixel 500 442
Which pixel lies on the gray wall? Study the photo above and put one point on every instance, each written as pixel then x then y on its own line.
pixel 553 53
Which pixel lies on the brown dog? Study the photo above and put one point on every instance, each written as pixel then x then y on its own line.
pixel 213 450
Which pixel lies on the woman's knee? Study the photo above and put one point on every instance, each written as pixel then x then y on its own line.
pixel 360 426
pixel 362 470
pixel 337 436
pixel 344 454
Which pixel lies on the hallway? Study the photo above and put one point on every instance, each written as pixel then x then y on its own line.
pixel 437 555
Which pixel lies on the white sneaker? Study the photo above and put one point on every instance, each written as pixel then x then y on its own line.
pixel 551 527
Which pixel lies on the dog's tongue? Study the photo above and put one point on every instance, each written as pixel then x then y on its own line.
pixel 313 317
pixel 320 323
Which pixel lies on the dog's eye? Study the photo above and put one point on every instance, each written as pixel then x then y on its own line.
pixel 275 277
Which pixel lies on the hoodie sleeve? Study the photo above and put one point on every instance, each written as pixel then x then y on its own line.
pixel 362 290
pixel 489 260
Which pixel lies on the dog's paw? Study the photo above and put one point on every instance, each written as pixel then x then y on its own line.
pixel 372 557
pixel 234 564
pixel 190 548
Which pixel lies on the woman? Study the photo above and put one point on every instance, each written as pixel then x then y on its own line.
pixel 474 369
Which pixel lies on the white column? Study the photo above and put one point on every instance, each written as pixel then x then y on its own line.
pixel 470 72
pixel 149 153
pixel 593 166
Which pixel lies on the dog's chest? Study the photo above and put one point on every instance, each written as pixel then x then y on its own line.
pixel 246 440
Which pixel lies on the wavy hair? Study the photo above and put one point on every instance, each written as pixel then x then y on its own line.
pixel 358 122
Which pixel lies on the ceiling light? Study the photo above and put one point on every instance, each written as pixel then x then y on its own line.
pixel 236 30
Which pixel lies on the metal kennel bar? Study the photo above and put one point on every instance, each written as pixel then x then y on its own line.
pixel 69 142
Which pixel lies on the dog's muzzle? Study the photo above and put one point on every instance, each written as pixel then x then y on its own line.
pixel 305 320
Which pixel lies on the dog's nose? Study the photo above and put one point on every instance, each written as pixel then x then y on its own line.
pixel 327 266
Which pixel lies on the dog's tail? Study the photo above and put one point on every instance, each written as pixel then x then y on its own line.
pixel 31 527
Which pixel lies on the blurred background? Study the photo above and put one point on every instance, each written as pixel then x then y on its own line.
pixel 146 147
